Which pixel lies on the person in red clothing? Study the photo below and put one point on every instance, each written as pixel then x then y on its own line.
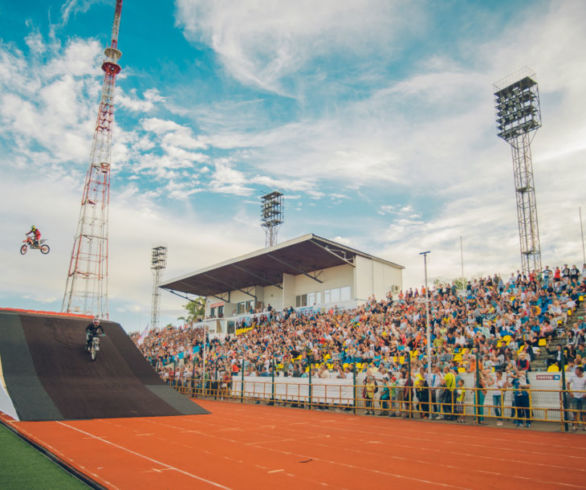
pixel 523 362
pixel 36 234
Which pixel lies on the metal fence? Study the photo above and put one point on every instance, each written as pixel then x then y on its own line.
pixel 471 405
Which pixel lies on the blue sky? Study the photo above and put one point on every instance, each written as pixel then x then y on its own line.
pixel 374 118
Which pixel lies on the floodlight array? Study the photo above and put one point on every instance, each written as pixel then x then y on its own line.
pixel 517 108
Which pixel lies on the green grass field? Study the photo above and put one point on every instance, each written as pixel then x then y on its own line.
pixel 23 467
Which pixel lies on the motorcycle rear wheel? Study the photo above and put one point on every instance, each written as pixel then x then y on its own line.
pixel 45 249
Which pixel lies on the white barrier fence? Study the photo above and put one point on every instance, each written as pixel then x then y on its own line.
pixel 545 396
pixel 326 391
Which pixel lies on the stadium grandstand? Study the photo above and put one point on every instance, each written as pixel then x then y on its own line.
pixel 493 339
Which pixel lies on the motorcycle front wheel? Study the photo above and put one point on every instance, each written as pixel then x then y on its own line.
pixel 45 249
pixel 23 249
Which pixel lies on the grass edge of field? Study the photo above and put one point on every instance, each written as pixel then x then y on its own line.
pixel 24 466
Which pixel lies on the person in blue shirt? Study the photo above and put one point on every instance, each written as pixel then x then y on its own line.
pixel 521 385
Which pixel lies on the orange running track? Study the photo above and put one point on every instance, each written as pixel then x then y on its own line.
pixel 252 447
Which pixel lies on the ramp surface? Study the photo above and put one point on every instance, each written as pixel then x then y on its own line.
pixel 48 374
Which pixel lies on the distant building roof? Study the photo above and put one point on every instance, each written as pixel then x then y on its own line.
pixel 265 267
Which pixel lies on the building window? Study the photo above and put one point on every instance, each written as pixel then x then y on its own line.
pixel 301 300
pixel 337 294
pixel 250 306
pixel 213 312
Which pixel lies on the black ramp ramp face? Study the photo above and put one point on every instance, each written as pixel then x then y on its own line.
pixel 119 383
pixel 26 391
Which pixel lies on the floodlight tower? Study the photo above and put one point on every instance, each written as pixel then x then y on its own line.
pixel 158 263
pixel 518 116
pixel 271 216
pixel 86 289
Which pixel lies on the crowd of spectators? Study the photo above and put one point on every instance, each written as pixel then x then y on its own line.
pixel 500 323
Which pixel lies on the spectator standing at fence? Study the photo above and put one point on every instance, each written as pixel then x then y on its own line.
pixel 385 396
pixel 422 390
pixel 480 396
pixel 448 394
pixel 577 387
pixel 368 392
pixel 521 385
pixel 499 383
pixel 435 382
pixel 460 395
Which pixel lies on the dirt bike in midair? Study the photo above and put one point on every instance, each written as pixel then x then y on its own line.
pixel 33 245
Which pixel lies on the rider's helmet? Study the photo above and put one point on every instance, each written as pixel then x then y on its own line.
pixel 33 227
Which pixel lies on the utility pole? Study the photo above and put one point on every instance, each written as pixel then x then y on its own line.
pixel 427 326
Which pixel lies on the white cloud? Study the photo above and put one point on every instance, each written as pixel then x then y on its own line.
pixel 227 180
pixel 74 7
pixel 263 42
pixel 134 103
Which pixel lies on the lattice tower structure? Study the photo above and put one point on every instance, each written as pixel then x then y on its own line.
pixel 158 264
pixel 86 289
pixel 271 216
pixel 518 117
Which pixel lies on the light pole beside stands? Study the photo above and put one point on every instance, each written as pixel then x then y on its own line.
pixel 427 327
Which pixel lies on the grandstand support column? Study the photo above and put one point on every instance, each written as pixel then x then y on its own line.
pixel 427 326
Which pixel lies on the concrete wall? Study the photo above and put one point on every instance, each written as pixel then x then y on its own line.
pixel 289 291
pixel 373 277
pixel 273 296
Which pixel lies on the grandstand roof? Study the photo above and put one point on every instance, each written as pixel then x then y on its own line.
pixel 265 267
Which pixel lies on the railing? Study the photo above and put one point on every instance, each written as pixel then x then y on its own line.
pixel 518 407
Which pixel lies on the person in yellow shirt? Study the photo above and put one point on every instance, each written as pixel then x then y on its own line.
pixel 368 392
pixel 448 394
pixel 460 396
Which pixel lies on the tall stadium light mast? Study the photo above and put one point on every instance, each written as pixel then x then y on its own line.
pixel 86 289
pixel 518 116
pixel 271 216
pixel 158 264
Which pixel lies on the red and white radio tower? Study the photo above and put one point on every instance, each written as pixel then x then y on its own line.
pixel 86 290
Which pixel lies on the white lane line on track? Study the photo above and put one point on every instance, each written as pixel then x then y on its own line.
pixel 179 470
pixel 529 463
pixel 455 436
pixel 336 463
pixel 409 459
